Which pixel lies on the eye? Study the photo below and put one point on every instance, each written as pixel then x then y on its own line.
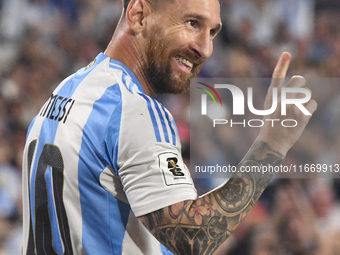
pixel 192 23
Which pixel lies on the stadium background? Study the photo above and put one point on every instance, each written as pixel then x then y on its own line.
pixel 43 41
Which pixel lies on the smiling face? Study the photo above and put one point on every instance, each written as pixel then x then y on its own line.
pixel 179 40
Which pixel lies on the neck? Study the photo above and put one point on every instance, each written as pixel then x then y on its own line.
pixel 125 48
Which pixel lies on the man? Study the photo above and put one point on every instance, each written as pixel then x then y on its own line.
pixel 97 155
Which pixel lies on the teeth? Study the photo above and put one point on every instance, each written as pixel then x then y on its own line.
pixel 184 61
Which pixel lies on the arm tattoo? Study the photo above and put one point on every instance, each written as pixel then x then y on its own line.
pixel 200 226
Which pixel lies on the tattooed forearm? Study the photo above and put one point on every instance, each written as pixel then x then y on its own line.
pixel 200 226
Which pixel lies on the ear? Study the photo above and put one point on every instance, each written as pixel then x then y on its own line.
pixel 136 14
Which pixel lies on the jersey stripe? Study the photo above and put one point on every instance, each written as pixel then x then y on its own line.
pixel 153 118
pixel 165 251
pixel 162 121
pixel 94 216
pixel 124 77
pixel 30 127
pixel 170 125
pixel 117 68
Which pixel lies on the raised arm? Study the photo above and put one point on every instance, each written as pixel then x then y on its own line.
pixel 200 226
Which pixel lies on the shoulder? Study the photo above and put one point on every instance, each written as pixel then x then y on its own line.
pixel 148 119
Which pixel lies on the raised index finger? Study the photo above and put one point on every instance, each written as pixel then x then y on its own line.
pixel 280 70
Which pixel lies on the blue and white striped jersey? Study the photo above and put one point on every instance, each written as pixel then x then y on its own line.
pixel 99 153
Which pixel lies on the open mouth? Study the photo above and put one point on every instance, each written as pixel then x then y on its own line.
pixel 184 63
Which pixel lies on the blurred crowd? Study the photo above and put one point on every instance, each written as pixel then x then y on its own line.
pixel 44 41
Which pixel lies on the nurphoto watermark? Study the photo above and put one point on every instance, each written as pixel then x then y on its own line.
pixel 226 116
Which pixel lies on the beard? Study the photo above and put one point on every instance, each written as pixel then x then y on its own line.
pixel 158 67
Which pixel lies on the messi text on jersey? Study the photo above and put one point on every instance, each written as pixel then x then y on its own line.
pixel 57 108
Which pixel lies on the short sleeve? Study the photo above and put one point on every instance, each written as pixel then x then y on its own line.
pixel 149 159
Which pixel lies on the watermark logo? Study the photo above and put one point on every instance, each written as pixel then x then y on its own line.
pixel 239 99
pixel 204 97
pixel 220 135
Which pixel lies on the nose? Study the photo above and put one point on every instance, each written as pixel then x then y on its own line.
pixel 202 45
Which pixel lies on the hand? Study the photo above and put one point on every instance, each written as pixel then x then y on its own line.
pixel 281 138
